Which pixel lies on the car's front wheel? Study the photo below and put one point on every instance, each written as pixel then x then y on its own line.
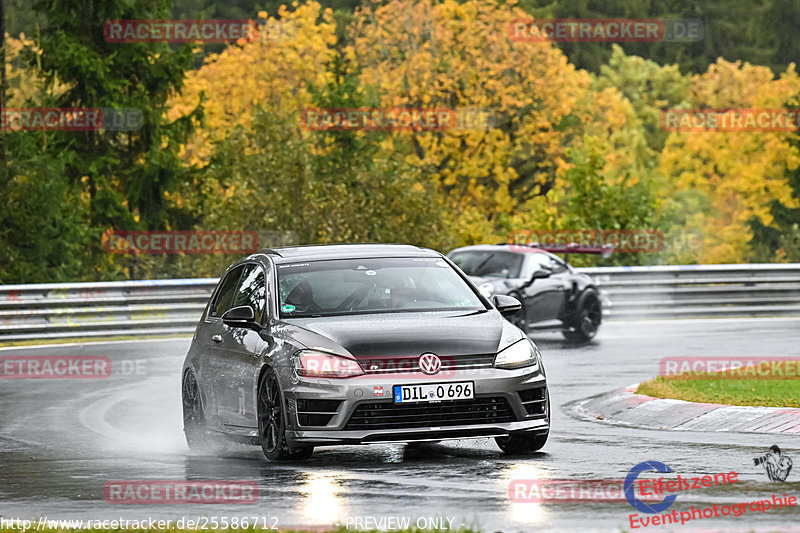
pixel 522 443
pixel 194 422
pixel 272 422
pixel 586 320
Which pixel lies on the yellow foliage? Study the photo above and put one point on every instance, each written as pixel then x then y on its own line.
pixel 737 173
pixel 24 83
pixel 458 55
pixel 445 53
pixel 271 71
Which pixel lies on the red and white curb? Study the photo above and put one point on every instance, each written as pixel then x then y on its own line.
pixel 625 407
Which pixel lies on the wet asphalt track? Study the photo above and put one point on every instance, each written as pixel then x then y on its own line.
pixel 62 440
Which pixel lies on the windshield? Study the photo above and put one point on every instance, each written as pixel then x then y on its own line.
pixel 489 264
pixel 361 286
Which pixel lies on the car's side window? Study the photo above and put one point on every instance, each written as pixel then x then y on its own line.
pixel 227 290
pixel 538 261
pixel 252 291
pixel 557 266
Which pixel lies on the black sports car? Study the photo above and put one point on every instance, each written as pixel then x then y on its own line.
pixel 553 294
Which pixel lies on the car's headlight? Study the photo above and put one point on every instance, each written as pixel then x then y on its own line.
pixel 487 289
pixel 520 354
pixel 314 364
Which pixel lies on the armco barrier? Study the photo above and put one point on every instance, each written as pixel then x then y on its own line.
pixel 57 310
pixel 64 310
pixel 697 291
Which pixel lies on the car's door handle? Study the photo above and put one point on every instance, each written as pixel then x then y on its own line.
pixel 216 338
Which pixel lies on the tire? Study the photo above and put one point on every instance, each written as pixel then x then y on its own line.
pixel 272 422
pixel 521 444
pixel 194 421
pixel 586 320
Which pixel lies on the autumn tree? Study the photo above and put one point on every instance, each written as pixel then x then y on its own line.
pixel 780 240
pixel 125 176
pixel 718 181
pixel 424 54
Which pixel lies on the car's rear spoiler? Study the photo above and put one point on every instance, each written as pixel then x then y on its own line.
pixel 566 249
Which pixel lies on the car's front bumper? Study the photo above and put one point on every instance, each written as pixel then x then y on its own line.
pixel 328 437
pixel 496 395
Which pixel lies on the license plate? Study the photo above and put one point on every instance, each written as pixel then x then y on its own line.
pixel 434 392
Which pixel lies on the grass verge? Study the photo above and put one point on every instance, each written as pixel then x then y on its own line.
pixel 767 390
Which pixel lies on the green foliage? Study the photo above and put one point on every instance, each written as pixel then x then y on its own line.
pixel 43 221
pixel 649 86
pixel 733 30
pixel 121 177
pixel 312 187
pixel 594 202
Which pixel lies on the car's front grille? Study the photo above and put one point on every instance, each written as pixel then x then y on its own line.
pixel 394 365
pixel 316 412
pixel 387 415
pixel 533 400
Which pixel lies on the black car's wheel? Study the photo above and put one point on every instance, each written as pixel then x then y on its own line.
pixel 272 422
pixel 194 421
pixel 520 443
pixel 586 320
pixel 520 318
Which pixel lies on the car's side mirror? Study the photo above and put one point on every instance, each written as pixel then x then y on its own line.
pixel 240 317
pixel 507 305
pixel 541 274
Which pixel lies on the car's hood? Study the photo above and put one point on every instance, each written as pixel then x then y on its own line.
pixel 404 334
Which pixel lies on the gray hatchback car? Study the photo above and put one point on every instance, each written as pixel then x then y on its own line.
pixel 357 344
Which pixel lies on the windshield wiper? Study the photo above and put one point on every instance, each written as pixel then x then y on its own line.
pixel 479 311
pixel 477 269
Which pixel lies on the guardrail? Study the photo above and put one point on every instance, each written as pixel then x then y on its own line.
pixel 69 310
pixel 699 291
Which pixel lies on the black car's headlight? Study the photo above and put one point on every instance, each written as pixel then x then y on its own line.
pixel 518 355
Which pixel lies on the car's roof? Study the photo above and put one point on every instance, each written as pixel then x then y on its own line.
pixel 292 254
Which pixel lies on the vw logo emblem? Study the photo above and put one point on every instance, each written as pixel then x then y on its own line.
pixel 429 363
